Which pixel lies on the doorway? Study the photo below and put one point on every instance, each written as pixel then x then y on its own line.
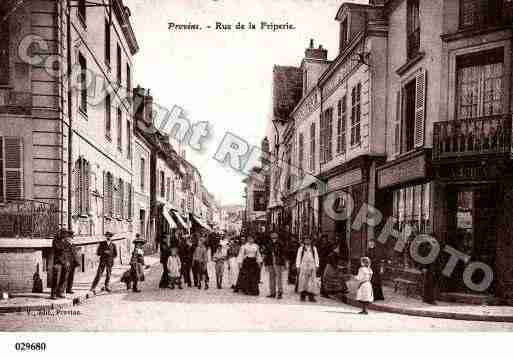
pixel 472 228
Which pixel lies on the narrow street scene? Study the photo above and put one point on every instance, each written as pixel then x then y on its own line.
pixel 259 165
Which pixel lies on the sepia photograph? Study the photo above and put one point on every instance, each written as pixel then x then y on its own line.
pixel 255 166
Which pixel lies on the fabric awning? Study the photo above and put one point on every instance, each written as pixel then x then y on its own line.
pixel 179 219
pixel 200 222
pixel 166 213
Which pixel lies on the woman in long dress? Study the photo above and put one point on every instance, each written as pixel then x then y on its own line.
pixel 250 269
pixel 307 262
pixel 333 279
pixel 364 294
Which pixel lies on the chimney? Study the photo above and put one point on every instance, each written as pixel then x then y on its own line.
pixel 316 54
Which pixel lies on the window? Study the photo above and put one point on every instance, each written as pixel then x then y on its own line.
pixel 344 36
pixel 341 125
pixel 129 201
pixel 301 151
pixel 120 128
pixel 480 84
pixel 356 112
pixel 108 123
pixel 128 80
pixel 305 81
pixel 83 84
pixel 82 185
pixel 11 168
pixel 480 13
pixel 142 222
pixel 107 42
pixel 312 147
pixel 162 185
pixel 326 135
pixel 108 194
pixel 413 113
pixel 259 201
pixel 118 65
pixel 142 174
pixel 413 28
pixel 128 139
pixel 4 48
pixel 81 8
pixel 168 189
pixel 121 198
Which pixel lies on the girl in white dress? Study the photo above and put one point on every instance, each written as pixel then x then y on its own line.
pixel 364 294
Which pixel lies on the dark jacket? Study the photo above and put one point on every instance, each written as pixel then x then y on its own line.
pixel 61 253
pixel 275 251
pixel 165 251
pixel 74 257
pixel 185 253
pixel 107 252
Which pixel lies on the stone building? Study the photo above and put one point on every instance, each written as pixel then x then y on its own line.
pixel 66 145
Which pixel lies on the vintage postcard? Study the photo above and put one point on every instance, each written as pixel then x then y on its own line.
pixel 255 166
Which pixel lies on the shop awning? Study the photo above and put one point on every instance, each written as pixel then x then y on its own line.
pixel 178 218
pixel 166 213
pixel 201 223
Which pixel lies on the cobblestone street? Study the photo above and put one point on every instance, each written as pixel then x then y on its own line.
pixel 191 309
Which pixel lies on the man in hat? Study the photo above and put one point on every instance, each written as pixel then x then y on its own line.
pixel 61 262
pixel 186 252
pixel 137 262
pixel 274 261
pixel 107 252
pixel 165 252
pixel 74 262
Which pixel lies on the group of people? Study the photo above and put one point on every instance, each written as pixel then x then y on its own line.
pixel 242 257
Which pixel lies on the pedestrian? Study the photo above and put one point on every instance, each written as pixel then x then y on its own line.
pixel 333 282
pixel 219 258
pixel 250 269
pixel 175 269
pixel 107 251
pixel 364 293
pixel 274 261
pixel 293 247
pixel 165 251
pixel 233 263
pixel 377 287
pixel 307 263
pixel 199 263
pixel 135 274
pixel 61 263
pixel 74 261
pixel 186 252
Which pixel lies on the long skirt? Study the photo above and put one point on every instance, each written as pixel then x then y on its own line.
pixel 333 281
pixel 249 277
pixel 306 280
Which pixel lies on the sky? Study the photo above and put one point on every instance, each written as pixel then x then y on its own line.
pixel 224 77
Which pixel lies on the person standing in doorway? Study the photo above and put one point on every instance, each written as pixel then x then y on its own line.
pixel 307 263
pixel 107 251
pixel 274 261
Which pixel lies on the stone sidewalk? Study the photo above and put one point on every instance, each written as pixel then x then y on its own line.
pixel 22 302
pixel 400 304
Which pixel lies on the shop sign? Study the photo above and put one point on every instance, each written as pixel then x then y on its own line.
pixel 345 180
pixel 406 171
pixel 465 172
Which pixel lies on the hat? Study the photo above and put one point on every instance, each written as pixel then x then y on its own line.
pixel 108 234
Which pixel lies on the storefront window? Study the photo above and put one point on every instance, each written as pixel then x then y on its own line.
pixel 411 206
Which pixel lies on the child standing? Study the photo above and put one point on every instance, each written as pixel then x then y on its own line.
pixel 174 266
pixel 364 294
pixel 219 258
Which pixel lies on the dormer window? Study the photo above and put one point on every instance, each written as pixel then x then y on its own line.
pixel 344 34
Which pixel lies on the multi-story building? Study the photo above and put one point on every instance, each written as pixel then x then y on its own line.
pixel 256 205
pixel 66 148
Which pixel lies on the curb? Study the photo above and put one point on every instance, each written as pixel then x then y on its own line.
pixel 64 303
pixel 433 314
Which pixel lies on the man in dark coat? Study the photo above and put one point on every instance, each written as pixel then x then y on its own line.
pixel 74 261
pixel 61 262
pixel 165 252
pixel 274 260
pixel 186 251
pixel 107 251
pixel 137 263
pixel 374 254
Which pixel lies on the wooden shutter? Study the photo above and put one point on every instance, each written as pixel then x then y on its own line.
pixel 86 204
pixel 13 168
pixel 397 123
pixel 2 189
pixel 121 198
pixel 420 108
pixel 129 206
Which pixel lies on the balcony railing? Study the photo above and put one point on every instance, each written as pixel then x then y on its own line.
pixel 478 136
pixel 28 219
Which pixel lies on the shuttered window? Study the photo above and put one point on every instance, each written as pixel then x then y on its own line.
pixel 312 147
pixel 128 140
pixel 301 150
pixel 420 108
pixel 4 48
pixel 168 188
pixel 143 170
pixel 412 110
pixel 107 42
pixel 356 113
pixel 11 168
pixel 119 128
pixel 121 198
pixel 326 135
pixel 108 195
pixel 397 124
pixel 108 122
pixel 341 125
pixel 83 83
pixel 130 204
pixel 82 185
pixel 118 65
